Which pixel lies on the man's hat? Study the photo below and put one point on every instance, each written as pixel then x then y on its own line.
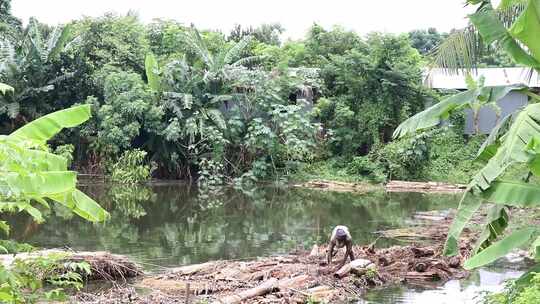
pixel 341 233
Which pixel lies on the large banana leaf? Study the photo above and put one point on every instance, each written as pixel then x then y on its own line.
pixel 81 205
pixel 152 72
pixel 58 40
pixel 492 30
pixel 491 144
pixel 511 193
pixel 512 149
pixel 500 248
pixel 435 114
pixel 527 28
pixel 41 184
pixel 44 128
pixel 466 210
pixel 496 223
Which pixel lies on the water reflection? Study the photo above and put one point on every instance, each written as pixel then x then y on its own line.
pixel 170 225
pixel 469 291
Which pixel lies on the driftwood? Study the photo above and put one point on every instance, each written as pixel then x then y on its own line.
pixel 103 265
pixel 424 187
pixel 191 269
pixel 321 293
pixel 295 283
pixel 358 266
pixel 264 288
pixel 337 186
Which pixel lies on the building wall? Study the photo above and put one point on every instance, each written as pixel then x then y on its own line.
pixel 509 105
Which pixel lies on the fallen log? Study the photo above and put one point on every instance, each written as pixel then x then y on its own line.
pixel 297 282
pixel 321 293
pixel 103 265
pixel 423 187
pixel 264 288
pixel 191 269
pixel 174 287
pixel 357 265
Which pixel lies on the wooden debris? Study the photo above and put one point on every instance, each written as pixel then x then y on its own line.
pixel 260 290
pixel 173 287
pixel 314 251
pixel 424 187
pixel 300 276
pixel 321 293
pixel 191 269
pixel 358 265
pixel 338 186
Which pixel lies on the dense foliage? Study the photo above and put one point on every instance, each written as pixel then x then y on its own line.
pixel 244 106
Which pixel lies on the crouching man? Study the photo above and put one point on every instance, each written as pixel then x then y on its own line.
pixel 341 237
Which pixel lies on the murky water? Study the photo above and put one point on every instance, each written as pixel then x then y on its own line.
pixel 171 225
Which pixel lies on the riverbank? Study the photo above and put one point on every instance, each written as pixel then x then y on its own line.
pixel 392 186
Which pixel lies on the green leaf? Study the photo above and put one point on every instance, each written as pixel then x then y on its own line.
pixel 536 249
pixel 42 184
pixel 152 72
pixel 4 88
pixel 4 227
pixel 492 30
pixel 496 223
pixel 525 279
pixel 44 128
pixel 82 205
pixel 491 144
pixel 466 209
pixel 527 27
pixel 513 147
pixel 435 114
pixel 512 193
pixel 58 40
pixel 500 248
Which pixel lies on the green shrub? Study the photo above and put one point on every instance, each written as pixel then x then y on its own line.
pixel 363 166
pixel 405 158
pixel 517 294
pixel 66 151
pixel 130 168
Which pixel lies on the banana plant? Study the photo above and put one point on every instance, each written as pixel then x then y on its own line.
pixel 26 65
pixel 33 175
pixel 515 141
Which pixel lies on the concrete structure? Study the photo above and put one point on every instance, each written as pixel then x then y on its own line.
pixel 440 79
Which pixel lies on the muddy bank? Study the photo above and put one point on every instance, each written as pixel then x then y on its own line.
pixel 392 186
pixel 302 275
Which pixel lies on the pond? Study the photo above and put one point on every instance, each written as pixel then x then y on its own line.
pixel 170 224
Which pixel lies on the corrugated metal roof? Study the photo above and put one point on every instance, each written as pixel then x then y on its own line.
pixel 442 79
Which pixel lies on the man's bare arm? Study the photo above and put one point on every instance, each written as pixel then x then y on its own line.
pixel 330 251
pixel 349 250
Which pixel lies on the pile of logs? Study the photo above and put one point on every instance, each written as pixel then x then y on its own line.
pixel 424 187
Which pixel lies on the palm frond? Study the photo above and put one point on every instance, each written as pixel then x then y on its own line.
pixel 463 48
